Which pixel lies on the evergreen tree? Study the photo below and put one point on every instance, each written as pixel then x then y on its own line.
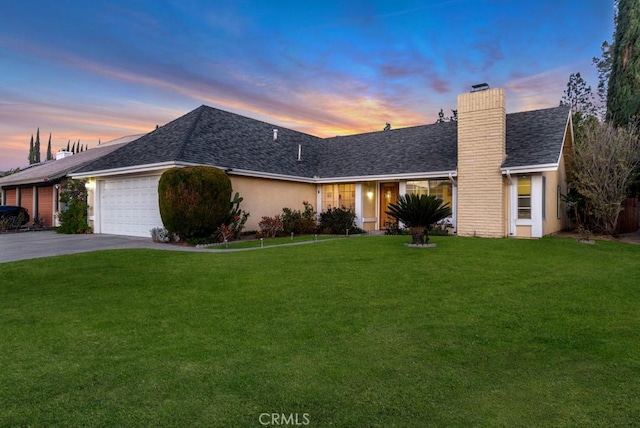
pixel 49 154
pixel 73 148
pixel 578 96
pixel 603 64
pixel 36 148
pixel 623 95
pixel 30 158
pixel 68 143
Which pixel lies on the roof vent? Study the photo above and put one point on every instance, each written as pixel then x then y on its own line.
pixel 479 87
pixel 387 127
pixel 275 135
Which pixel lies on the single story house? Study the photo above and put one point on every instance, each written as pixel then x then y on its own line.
pixel 503 174
pixel 37 187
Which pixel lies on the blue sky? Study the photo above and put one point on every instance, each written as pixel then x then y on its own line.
pixel 104 69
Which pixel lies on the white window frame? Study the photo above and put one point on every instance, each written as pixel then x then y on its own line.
pixel 535 222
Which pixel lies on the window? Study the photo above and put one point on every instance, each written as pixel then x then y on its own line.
pixel 418 187
pixel 339 196
pixel 524 197
pixel 559 202
pixel 441 189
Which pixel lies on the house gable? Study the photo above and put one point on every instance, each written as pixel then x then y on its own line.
pixel 535 138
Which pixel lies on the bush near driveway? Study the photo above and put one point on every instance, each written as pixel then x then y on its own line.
pixel 194 201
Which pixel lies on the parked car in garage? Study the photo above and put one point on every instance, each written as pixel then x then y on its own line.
pixel 13 216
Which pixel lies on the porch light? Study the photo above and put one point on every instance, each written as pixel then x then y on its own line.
pixel 370 194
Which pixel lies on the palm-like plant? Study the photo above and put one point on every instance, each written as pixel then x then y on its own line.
pixel 418 213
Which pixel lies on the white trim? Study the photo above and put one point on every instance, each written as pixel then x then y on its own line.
pixel 402 188
pixel 127 170
pixel 387 177
pixel 513 204
pixel 454 207
pixel 258 174
pixel 529 169
pixel 536 204
pixel 319 206
pixel 358 205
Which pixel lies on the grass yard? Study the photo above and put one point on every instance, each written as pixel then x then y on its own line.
pixel 348 333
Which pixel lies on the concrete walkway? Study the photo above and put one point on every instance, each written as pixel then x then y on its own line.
pixel 31 245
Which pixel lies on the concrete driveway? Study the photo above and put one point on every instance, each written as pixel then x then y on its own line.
pixel 31 245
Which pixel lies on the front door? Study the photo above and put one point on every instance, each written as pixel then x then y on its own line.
pixel 388 195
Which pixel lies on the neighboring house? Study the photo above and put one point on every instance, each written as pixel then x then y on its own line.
pixel 37 188
pixel 502 174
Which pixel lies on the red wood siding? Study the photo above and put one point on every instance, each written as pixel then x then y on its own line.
pixel 26 200
pixel 45 205
pixel 10 197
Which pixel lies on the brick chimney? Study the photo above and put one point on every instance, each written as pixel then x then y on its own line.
pixel 481 151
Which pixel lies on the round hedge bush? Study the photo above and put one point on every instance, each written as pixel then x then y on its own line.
pixel 194 201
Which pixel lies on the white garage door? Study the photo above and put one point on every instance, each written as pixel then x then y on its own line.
pixel 129 206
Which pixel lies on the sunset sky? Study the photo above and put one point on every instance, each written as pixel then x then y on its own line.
pixel 90 70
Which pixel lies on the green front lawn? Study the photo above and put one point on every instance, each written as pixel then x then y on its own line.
pixel 269 242
pixel 349 332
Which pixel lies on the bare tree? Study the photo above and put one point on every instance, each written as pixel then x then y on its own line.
pixel 601 169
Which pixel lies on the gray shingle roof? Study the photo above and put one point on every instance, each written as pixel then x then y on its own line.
pixel 52 170
pixel 535 137
pixel 426 148
pixel 215 137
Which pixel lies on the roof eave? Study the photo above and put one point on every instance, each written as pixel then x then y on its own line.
pixel 125 170
pixel 529 168
pixel 390 177
pixel 272 176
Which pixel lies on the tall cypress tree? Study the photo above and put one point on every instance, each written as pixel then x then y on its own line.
pixel 36 148
pixel 68 143
pixel 49 154
pixel 623 96
pixel 30 158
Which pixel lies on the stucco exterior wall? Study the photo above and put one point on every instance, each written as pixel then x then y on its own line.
pixel 556 211
pixel 265 197
pixel 481 151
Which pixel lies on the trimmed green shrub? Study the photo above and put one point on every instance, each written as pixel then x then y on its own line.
pixel 337 221
pixel 73 217
pixel 300 222
pixel 194 201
